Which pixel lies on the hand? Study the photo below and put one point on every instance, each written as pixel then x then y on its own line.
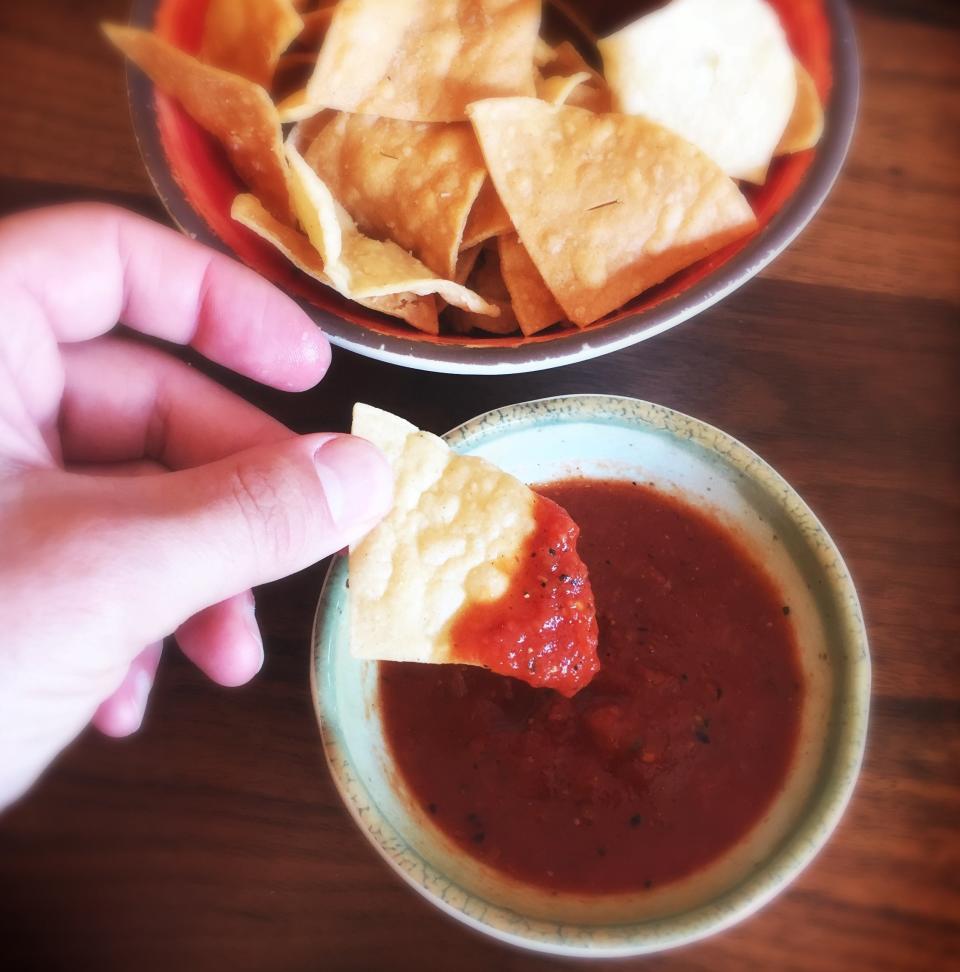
pixel 138 497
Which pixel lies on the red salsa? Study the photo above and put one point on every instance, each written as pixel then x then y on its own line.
pixel 543 629
pixel 665 760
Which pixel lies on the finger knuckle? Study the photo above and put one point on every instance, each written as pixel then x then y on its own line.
pixel 267 500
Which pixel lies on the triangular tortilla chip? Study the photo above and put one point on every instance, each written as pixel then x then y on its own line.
pixel 719 74
pixel 316 23
pixel 532 302
pixel 606 205
pixel 358 266
pixel 419 312
pixel 487 219
pixel 806 123
pixel 459 536
pixel 421 61
pixel 485 279
pixel 237 112
pixel 247 37
pixel 411 182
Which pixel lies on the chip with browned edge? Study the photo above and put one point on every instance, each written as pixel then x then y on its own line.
pixel 425 61
pixel 606 205
pixel 247 37
pixel 237 112
pixel 533 304
pixel 358 266
pixel 806 123
pixel 413 182
pixel 419 312
pixel 487 219
pixel 485 279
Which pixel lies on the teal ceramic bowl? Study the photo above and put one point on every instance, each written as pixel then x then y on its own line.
pixel 604 437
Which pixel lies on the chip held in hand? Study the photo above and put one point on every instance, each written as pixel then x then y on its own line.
pixel 470 566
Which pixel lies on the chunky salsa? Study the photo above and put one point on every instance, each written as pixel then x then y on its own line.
pixel 543 629
pixel 671 753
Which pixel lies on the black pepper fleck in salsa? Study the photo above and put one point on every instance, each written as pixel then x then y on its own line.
pixel 671 753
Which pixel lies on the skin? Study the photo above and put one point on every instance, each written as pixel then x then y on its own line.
pixel 138 498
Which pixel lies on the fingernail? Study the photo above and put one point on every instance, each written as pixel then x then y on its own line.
pixel 356 480
pixel 139 693
pixel 250 616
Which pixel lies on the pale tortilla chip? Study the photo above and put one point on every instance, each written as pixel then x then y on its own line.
pixel 806 123
pixel 719 74
pixel 422 61
pixel 237 112
pixel 247 37
pixel 487 219
pixel 486 280
pixel 533 304
pixel 451 538
pixel 606 205
pixel 411 182
pixel 296 108
pixel 361 267
pixel 419 312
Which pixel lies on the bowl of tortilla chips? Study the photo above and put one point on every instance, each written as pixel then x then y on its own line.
pixel 501 185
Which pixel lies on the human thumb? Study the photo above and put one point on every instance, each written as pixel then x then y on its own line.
pixel 205 534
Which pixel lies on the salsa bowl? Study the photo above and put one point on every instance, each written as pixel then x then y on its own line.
pixel 602 437
pixel 197 186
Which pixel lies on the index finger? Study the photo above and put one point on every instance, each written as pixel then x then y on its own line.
pixel 85 266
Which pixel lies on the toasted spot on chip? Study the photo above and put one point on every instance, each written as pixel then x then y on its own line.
pixel 422 61
pixel 532 302
pixel 419 312
pixel 806 123
pixel 237 112
pixel 358 266
pixel 487 219
pixel 719 74
pixel 455 523
pixel 486 280
pixel 412 182
pixel 627 203
pixel 247 37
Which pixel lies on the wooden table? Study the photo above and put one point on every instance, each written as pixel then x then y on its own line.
pixel 214 838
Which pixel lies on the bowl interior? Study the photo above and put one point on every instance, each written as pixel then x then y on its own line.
pixel 201 173
pixel 602 437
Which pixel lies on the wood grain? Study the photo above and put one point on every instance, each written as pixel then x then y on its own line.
pixel 214 839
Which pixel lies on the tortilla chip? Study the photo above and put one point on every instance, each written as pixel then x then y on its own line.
pixel 593 93
pixel 411 182
pixel 358 266
pixel 606 205
pixel 419 312
pixel 806 123
pixel 719 74
pixel 532 302
pixel 543 53
pixel 425 61
pixel 456 525
pixel 487 219
pixel 465 264
pixel 296 108
pixel 486 280
pixel 237 112
pixel 246 37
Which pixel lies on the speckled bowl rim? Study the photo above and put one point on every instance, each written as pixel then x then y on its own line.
pixel 841 760
pixel 569 348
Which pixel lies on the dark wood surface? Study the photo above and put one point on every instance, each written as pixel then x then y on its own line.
pixel 214 839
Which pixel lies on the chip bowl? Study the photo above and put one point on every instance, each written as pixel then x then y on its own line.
pixel 605 437
pixel 197 186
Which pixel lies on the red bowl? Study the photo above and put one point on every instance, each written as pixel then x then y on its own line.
pixel 197 185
